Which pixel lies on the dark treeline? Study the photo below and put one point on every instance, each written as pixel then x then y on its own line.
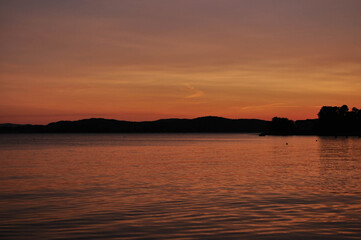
pixel 332 121
pixel 335 121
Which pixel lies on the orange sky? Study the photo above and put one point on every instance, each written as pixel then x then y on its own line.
pixel 145 60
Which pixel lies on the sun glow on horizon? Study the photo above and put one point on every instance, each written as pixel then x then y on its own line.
pixel 157 59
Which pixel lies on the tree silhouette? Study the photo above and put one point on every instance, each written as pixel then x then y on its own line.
pixel 339 121
pixel 281 126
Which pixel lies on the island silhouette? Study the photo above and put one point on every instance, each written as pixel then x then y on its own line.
pixel 331 121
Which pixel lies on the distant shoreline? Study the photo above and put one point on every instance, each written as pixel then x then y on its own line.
pixel 208 124
pixel 331 121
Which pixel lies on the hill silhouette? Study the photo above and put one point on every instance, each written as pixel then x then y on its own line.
pixel 332 121
pixel 101 125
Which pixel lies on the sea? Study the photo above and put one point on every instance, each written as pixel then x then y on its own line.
pixel 179 186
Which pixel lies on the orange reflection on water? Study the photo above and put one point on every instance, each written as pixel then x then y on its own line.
pixel 179 186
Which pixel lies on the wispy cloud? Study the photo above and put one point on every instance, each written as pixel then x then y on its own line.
pixel 193 92
pixel 273 105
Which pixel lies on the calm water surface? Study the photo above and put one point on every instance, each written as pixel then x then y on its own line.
pixel 179 186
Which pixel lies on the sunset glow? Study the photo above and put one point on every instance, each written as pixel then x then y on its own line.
pixel 146 60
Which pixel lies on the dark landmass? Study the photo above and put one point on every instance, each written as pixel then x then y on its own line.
pixel 100 125
pixel 331 121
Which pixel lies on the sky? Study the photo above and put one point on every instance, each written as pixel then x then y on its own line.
pixel 149 59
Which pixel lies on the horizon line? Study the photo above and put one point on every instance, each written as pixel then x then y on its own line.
pixel 171 118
